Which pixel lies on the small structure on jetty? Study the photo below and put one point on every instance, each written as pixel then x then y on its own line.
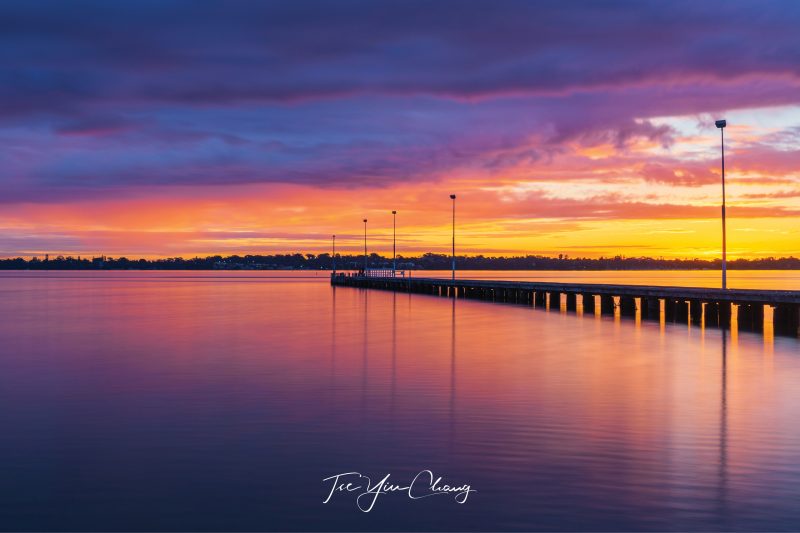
pixel 744 308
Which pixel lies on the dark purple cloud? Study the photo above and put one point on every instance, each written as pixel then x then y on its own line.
pixel 99 97
pixel 222 52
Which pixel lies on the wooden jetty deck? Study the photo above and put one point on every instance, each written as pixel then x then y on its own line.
pixel 745 309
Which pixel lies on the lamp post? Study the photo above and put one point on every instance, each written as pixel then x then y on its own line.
pixel 721 125
pixel 333 257
pixel 453 197
pixel 365 246
pixel 394 242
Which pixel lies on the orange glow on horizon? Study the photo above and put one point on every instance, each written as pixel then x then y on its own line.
pixel 590 199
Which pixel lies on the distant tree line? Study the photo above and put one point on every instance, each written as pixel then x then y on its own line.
pixel 427 261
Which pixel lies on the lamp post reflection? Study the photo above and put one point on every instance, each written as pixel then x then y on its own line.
pixel 394 357
pixel 333 338
pixel 332 385
pixel 452 377
pixel 364 359
pixel 722 486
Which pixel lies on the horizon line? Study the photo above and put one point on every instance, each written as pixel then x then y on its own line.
pixel 420 256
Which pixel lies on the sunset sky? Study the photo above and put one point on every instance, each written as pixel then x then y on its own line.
pixel 166 128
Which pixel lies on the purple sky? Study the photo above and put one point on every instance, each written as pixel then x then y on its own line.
pixel 107 100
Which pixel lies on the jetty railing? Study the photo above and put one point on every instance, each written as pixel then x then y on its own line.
pixel 744 308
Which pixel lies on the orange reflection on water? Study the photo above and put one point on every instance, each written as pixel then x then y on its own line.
pixel 551 416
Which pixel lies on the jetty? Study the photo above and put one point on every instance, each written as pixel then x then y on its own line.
pixel 745 309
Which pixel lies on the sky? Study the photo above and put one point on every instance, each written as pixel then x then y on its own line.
pixel 170 128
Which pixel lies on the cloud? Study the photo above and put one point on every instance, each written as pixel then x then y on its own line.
pixel 688 174
pixel 292 51
pixel 360 94
pixel 101 101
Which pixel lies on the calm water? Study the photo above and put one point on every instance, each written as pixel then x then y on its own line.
pixel 737 279
pixel 219 401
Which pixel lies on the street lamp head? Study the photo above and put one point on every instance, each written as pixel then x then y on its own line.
pixel 721 123
pixel 452 196
pixel 394 212
pixel 365 221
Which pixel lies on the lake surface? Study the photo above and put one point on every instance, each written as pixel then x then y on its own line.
pixel 168 401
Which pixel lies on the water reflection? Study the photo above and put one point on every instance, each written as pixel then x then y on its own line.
pixel 333 343
pixel 182 406
pixel 737 279
pixel 365 352
pixel 769 326
pixel 452 417
pixel 723 434
pixel 394 356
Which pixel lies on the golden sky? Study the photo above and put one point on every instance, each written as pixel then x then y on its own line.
pixel 588 200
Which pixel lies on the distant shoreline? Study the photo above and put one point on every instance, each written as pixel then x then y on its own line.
pixel 425 262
